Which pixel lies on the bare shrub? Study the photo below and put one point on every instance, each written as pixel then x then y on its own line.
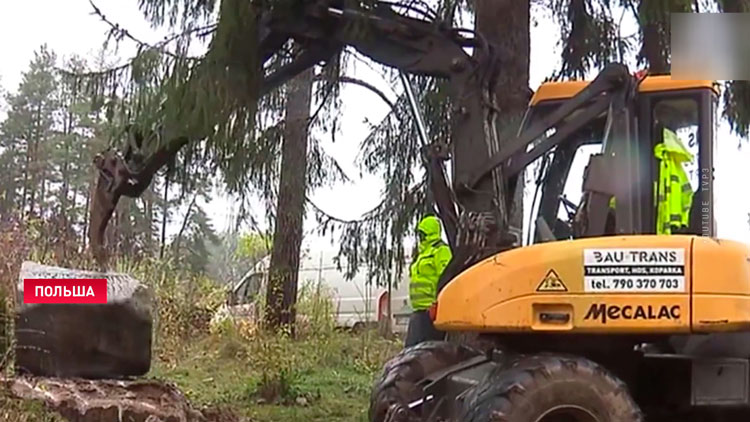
pixel 184 302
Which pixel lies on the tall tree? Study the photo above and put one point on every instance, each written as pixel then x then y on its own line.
pixel 48 140
pixel 191 245
pixel 27 132
pixel 282 284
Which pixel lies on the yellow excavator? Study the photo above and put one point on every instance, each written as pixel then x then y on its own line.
pixel 594 315
pixel 597 318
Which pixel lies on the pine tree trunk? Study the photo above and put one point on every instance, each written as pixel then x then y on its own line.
pixel 42 192
pixel 86 214
pixel 8 197
pixel 165 211
pixel 282 282
pixel 512 93
pixel 185 220
pixel 66 186
pixel 6 202
pixel 124 229
pixel 148 228
pixel 35 164
pixel 68 128
pixel 26 175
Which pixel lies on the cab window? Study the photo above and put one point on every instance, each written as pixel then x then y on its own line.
pixel 554 182
pixel 677 115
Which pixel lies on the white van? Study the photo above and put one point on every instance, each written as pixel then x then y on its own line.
pixel 356 303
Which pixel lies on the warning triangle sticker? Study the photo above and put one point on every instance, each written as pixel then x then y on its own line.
pixel 552 283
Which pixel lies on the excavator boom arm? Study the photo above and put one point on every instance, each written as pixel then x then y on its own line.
pixel 613 86
pixel 477 223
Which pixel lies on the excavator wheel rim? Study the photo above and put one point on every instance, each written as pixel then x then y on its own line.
pixel 574 414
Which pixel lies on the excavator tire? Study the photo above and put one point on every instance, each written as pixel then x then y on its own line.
pixel 397 383
pixel 550 388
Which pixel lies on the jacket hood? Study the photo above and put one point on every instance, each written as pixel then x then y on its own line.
pixel 431 228
pixel 673 146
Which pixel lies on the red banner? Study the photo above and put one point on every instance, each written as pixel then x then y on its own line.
pixel 65 290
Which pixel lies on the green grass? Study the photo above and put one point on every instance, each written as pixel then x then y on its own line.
pixel 330 376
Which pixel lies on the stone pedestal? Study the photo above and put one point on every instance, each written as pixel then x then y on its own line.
pixel 111 340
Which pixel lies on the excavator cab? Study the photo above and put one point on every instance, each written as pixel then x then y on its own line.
pixel 603 179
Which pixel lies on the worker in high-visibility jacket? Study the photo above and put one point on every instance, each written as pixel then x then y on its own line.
pixel 425 272
pixel 673 194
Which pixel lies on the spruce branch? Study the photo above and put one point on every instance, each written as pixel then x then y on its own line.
pixel 327 217
pixel 119 32
pixel 200 31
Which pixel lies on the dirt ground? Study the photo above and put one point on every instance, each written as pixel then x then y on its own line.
pixel 103 400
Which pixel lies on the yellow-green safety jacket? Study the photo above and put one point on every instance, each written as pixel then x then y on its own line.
pixel 673 193
pixel 426 269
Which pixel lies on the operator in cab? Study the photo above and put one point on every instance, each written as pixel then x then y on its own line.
pixel 425 272
pixel 673 194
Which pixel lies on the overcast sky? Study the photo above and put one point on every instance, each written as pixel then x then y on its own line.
pixel 68 27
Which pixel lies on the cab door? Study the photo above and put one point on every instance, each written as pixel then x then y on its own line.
pixel 690 113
